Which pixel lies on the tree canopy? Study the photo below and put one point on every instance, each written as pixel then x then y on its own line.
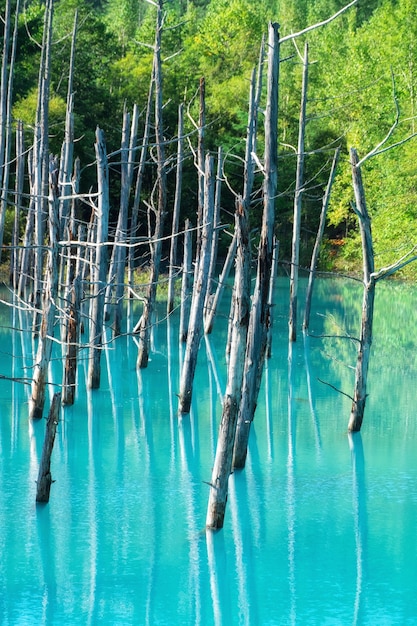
pixel 363 77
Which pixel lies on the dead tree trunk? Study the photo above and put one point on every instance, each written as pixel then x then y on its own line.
pixel 5 169
pixel 176 212
pixel 39 383
pixel 134 225
pixel 195 328
pixel 186 286
pixel 365 342
pixel 118 259
pixel 44 476
pixel 145 322
pixel 3 106
pixel 41 158
pixel 215 238
pixel 299 184
pixel 320 232
pixel 73 332
pixel 100 272
pixel 19 181
pixel 224 451
pixel 259 316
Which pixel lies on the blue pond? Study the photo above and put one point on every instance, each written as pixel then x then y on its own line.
pixel 320 526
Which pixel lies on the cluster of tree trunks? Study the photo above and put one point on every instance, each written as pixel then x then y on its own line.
pixel 63 264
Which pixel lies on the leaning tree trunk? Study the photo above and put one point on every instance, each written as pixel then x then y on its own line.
pixel 365 342
pixel 195 327
pixel 145 323
pixel 44 481
pixel 299 184
pixel 259 316
pixel 224 451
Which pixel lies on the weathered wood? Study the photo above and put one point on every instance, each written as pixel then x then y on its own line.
pixel 145 322
pixel 44 476
pixel 259 316
pixel 43 356
pixel 299 185
pixel 215 238
pixel 176 212
pixel 72 338
pixel 5 161
pixel 134 225
pixel 186 285
pixel 99 275
pixel 272 283
pixel 319 237
pixel 118 258
pixel 224 451
pixel 195 328
pixel 365 341
pixel 19 181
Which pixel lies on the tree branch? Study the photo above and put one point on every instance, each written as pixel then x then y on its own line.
pixel 329 19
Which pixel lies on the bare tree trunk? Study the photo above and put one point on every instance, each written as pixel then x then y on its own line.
pixel 37 400
pixel 176 212
pixel 26 252
pixel 72 337
pixel 145 323
pixel 259 316
pixel 134 225
pixel 365 342
pixel 200 164
pixel 19 181
pixel 186 286
pixel 5 169
pixel 44 476
pixel 65 170
pixel 41 158
pixel 118 259
pixel 3 107
pixel 299 184
pixel 224 451
pixel 195 328
pixel 320 232
pixel 272 283
pixel 215 238
pixel 99 275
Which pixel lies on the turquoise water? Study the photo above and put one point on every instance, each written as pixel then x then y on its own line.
pixel 320 527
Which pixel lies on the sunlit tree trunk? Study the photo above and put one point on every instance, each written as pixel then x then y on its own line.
pixel 224 451
pixel 299 184
pixel 259 316
pixel 365 341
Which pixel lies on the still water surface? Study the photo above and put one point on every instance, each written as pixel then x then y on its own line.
pixel 320 526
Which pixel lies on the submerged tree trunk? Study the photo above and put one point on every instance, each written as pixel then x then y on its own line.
pixel 145 322
pixel 224 451
pixel 99 275
pixel 44 476
pixel 43 356
pixel 176 212
pixel 365 341
pixel 299 184
pixel 195 328
pixel 259 316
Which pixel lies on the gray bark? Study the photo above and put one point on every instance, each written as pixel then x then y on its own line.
pixel 299 184
pixel 186 285
pixel 259 316
pixel 44 476
pixel 224 451
pixel 365 342
pixel 145 322
pixel 100 272
pixel 195 328
pixel 176 212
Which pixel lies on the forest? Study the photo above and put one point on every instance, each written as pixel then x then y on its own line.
pixel 362 81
